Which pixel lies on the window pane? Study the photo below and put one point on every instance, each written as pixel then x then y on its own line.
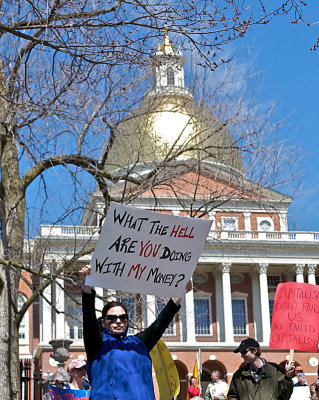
pixel 265 225
pixel 159 307
pixel 229 224
pixel 239 316
pixel 273 280
pixel 271 306
pixel 170 77
pixel 202 319
pixel 129 303
pixel 22 326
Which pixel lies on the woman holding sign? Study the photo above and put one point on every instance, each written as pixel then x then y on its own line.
pixel 119 366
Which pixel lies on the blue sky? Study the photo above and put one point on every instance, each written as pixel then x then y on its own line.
pixel 290 72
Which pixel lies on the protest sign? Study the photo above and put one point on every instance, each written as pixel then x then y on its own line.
pixel 295 317
pixel 142 251
pixel 68 394
pixel 300 393
pixel 166 371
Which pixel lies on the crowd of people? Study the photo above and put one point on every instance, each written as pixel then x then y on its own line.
pixel 113 358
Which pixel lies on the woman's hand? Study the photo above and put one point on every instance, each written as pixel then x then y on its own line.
pixel 83 273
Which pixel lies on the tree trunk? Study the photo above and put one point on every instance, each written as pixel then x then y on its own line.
pixel 12 238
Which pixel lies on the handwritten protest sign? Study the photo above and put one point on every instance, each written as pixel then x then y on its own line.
pixel 295 318
pixel 146 252
pixel 68 394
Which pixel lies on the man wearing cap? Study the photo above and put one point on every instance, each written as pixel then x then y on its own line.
pixel 259 379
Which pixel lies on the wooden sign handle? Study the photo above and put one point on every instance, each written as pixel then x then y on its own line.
pixel 291 356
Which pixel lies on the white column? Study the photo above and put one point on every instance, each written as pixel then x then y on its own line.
pixel 190 316
pixel 247 221
pixel 264 302
pixel 256 306
pixel 212 216
pixel 228 312
pixel 99 303
pixel 311 269
pixel 150 309
pixel 283 221
pixel 60 306
pixel 219 307
pixel 299 268
pixel 46 330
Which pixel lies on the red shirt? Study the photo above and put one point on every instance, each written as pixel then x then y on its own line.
pixel 193 391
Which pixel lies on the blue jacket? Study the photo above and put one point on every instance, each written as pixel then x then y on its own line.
pixel 121 370
pixel 119 366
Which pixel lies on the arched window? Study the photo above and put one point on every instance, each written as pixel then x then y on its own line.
pixel 170 77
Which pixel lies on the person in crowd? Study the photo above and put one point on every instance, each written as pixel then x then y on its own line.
pixel 259 379
pixel 314 391
pixel 217 388
pixel 119 366
pixel 193 390
pixel 298 370
pixel 302 381
pixel 77 371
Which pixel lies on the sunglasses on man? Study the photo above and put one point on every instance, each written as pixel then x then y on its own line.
pixel 114 318
pixel 245 351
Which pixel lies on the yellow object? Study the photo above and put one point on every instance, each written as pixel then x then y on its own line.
pixel 166 371
pixel 195 375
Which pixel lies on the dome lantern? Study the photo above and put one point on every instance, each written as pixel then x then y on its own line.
pixel 168 71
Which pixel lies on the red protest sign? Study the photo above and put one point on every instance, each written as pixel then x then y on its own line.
pixel 295 318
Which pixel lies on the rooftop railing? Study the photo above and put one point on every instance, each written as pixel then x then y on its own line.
pixel 290 236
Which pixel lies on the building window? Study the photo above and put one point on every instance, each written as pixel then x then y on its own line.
pixel 170 77
pixel 202 316
pixel 239 316
pixel 24 324
pixel 229 224
pixel 74 321
pixel 170 330
pixel 273 280
pixel 265 224
pixel 130 303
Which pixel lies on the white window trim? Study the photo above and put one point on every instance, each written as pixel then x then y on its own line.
pixel 223 219
pixel 242 296
pixel 200 296
pixel 268 219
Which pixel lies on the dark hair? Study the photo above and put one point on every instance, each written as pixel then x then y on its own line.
pixel 112 304
pixel 191 378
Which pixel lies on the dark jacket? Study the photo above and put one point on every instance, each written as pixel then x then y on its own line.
pixel 119 366
pixel 272 385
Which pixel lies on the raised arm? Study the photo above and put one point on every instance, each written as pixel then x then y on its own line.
pixel 92 334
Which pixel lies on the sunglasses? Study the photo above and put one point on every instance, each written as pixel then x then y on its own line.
pixel 245 351
pixel 81 368
pixel 114 318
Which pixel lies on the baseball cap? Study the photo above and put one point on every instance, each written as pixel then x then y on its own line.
pixel 298 368
pixel 75 364
pixel 245 344
pixel 301 374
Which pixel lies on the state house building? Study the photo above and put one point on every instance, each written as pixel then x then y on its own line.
pixel 249 249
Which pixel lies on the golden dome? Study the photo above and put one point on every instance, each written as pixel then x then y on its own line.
pixel 170 125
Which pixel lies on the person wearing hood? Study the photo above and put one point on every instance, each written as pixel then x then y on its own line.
pixel 119 366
